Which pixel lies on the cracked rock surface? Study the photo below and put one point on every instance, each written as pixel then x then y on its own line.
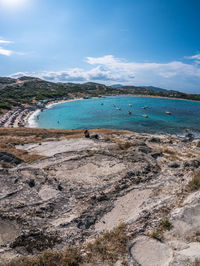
pixel 85 187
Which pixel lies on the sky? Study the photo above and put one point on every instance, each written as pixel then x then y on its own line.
pixel 128 42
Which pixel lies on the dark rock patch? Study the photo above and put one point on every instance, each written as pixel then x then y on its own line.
pixel 9 158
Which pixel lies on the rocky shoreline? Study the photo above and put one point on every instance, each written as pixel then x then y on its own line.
pixel 85 187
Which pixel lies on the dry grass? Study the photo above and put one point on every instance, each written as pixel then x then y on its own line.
pixel 9 137
pixel 71 257
pixel 126 145
pixel 194 184
pixel 109 247
pixel 172 155
pixel 194 236
pixel 5 165
pixel 121 144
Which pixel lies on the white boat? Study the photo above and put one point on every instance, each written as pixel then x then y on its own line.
pixel 168 113
pixel 118 108
pixel 146 116
pixel 130 105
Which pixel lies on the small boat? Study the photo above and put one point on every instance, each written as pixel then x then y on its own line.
pixel 144 107
pixel 129 112
pixel 146 116
pixel 130 105
pixel 118 108
pixel 168 113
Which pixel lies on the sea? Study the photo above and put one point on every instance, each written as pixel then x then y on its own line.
pixel 140 114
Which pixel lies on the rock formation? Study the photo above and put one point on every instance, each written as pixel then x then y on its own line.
pixel 84 187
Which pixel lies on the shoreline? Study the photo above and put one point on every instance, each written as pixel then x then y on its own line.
pixel 26 116
pixel 31 121
pixel 151 96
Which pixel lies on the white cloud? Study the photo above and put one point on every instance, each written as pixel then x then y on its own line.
pixel 5 42
pixel 109 69
pixel 5 51
pixel 195 57
pixel 166 70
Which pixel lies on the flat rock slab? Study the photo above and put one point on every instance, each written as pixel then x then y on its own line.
pixel 188 256
pixel 8 231
pixel 87 171
pixel 47 193
pixel 150 252
pixel 51 148
pixel 126 208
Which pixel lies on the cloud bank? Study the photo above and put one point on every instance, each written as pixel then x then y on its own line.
pixel 110 69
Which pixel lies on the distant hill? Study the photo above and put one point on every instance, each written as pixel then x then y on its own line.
pixel 147 88
pixel 31 90
pixel 157 89
pixel 117 85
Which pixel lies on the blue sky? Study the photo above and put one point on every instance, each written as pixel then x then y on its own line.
pixel 139 42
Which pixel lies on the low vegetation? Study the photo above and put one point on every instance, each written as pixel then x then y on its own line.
pixel 109 247
pixel 164 225
pixel 126 145
pixel 70 257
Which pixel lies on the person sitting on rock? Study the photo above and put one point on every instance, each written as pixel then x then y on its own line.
pixel 87 134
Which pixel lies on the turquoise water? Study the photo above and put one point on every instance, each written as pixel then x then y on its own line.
pixel 101 113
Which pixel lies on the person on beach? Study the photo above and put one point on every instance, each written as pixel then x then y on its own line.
pixel 87 134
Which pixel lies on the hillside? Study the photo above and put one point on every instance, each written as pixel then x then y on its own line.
pixel 29 90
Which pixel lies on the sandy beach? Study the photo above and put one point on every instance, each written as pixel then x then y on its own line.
pixel 25 116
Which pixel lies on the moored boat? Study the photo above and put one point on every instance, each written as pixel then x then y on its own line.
pixel 168 113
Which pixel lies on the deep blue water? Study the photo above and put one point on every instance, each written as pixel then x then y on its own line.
pixel 90 113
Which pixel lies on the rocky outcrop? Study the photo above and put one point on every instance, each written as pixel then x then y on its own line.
pixel 8 158
pixel 75 194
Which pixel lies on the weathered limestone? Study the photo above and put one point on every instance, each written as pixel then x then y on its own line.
pixel 85 187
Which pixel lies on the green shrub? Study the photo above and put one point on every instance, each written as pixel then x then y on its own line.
pixel 166 224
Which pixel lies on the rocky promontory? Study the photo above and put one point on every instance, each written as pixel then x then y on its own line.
pixel 125 198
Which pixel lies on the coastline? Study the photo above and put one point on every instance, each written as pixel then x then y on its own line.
pixel 152 96
pixel 31 121
pixel 25 116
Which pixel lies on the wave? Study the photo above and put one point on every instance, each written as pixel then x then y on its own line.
pixel 196 134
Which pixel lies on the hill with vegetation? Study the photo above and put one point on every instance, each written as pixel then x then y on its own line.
pixel 29 90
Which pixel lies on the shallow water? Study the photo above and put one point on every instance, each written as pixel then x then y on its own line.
pixel 101 113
